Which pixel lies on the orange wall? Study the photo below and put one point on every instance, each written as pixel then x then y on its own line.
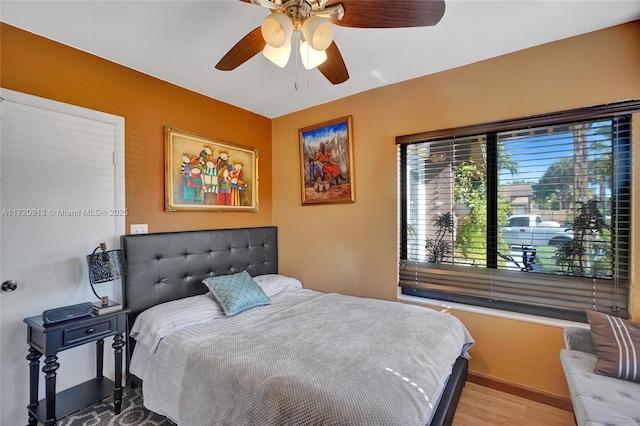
pixel 348 248
pixel 352 248
pixel 41 67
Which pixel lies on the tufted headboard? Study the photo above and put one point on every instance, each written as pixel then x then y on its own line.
pixel 171 265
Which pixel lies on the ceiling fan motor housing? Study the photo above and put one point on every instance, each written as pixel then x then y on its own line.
pixel 298 11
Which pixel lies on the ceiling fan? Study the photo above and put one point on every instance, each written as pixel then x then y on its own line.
pixel 309 23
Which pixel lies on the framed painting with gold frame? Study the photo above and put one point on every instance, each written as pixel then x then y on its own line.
pixel 326 162
pixel 202 174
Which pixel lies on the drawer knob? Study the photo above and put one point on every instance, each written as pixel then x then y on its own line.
pixel 90 330
pixel 9 285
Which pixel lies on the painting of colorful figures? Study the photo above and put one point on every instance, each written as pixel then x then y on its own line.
pixel 207 175
pixel 326 162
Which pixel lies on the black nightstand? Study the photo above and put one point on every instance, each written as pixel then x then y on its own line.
pixel 51 339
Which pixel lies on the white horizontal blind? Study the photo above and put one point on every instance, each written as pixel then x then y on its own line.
pixel 445 180
pixel 493 218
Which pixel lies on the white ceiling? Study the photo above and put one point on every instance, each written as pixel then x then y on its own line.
pixel 180 41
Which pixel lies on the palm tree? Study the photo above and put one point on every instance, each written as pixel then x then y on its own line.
pixel 601 174
pixel 580 160
pixel 558 179
pixel 601 166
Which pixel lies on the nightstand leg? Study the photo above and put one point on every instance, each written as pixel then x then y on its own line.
pixel 34 372
pixel 49 370
pixel 99 358
pixel 118 343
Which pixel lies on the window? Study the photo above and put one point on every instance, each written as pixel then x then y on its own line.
pixel 529 215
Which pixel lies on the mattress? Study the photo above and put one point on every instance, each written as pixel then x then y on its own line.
pixel 306 358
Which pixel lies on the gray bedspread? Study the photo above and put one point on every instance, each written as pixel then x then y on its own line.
pixel 328 360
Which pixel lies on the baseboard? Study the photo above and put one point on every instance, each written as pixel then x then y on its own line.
pixel 522 391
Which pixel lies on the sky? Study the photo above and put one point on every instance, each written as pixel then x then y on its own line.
pixel 534 154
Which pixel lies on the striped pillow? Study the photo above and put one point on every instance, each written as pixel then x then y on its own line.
pixel 159 321
pixel 618 344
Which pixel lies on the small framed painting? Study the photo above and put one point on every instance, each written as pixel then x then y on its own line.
pixel 326 162
pixel 203 174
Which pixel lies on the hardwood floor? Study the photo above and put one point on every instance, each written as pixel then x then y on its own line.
pixel 480 405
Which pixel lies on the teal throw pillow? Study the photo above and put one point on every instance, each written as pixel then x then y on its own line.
pixel 236 293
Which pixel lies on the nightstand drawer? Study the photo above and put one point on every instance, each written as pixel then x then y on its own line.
pixel 77 335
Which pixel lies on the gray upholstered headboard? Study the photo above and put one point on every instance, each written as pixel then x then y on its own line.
pixel 171 265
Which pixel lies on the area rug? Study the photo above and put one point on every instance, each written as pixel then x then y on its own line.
pixel 101 414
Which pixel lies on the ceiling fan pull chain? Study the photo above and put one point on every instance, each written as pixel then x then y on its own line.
pixel 296 40
pixel 307 53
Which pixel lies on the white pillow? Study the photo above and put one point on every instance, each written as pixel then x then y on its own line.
pixel 161 320
pixel 275 283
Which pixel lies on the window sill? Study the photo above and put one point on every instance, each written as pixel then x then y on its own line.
pixel 446 306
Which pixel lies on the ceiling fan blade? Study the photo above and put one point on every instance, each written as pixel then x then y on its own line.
pixel 389 13
pixel 334 68
pixel 245 49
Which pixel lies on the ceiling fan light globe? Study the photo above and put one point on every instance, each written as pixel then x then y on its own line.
pixel 277 29
pixel 278 55
pixel 318 32
pixel 311 58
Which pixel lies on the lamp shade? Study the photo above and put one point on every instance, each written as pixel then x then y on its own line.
pixel 105 266
pixel 318 32
pixel 310 57
pixel 278 55
pixel 277 29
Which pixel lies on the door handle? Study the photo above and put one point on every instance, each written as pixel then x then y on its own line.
pixel 9 285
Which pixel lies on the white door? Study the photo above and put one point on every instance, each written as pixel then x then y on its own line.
pixel 61 194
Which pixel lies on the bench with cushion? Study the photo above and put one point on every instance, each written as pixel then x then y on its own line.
pixel 593 360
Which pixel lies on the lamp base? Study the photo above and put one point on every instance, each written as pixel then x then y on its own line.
pixel 100 309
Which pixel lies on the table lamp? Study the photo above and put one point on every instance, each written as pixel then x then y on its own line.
pixel 105 266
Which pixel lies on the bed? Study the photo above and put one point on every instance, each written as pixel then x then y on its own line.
pixel 291 356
